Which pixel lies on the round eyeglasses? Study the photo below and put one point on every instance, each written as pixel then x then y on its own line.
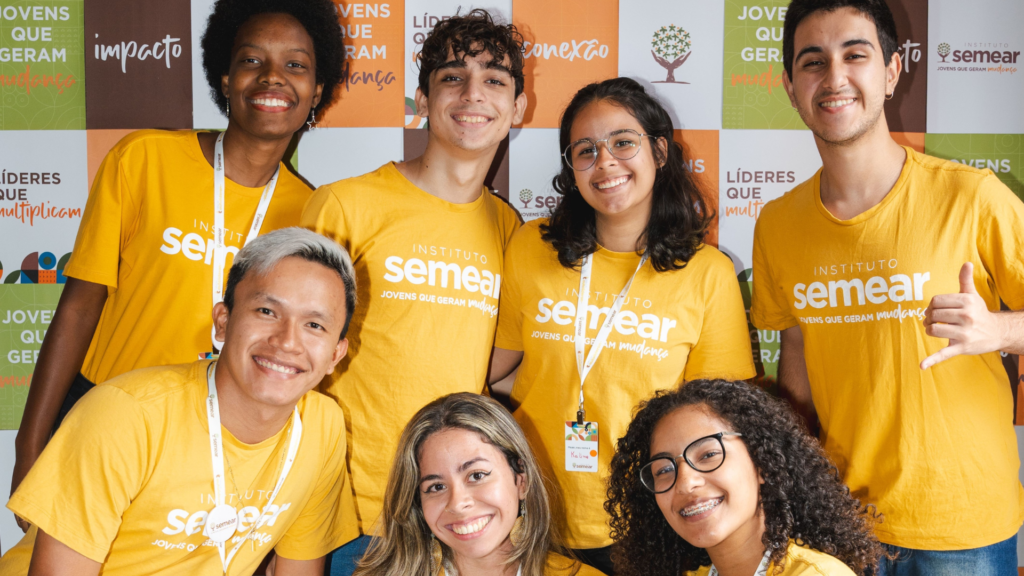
pixel 705 454
pixel 622 144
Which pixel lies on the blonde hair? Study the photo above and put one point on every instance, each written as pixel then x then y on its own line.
pixel 402 544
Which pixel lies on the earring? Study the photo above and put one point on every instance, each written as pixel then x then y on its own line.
pixel 889 96
pixel 517 534
pixel 312 121
pixel 436 555
pixel 229 108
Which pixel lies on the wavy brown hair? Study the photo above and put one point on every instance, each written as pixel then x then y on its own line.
pixel 802 498
pixel 679 216
pixel 403 545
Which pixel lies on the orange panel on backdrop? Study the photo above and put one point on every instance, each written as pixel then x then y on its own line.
pixel 100 142
pixel 700 150
pixel 568 45
pixel 371 92
pixel 913 139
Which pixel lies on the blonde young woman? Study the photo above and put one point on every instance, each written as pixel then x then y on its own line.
pixel 465 497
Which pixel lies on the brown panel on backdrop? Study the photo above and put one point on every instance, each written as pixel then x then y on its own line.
pixel 138 59
pixel 906 112
pixel 415 142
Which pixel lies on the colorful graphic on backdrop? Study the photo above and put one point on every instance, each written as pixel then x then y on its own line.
pixel 1003 154
pixel 753 95
pixel 42 65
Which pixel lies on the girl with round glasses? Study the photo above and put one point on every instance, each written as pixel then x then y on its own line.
pixel 613 297
pixel 465 497
pixel 718 478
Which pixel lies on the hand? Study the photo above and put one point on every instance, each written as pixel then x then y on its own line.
pixel 965 320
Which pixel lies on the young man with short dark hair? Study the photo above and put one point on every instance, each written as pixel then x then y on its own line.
pixel 204 468
pixel 867 269
pixel 427 240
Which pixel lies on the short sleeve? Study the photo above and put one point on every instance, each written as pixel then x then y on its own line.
pixel 326 521
pixel 723 347
pixel 1000 239
pixel 88 474
pixel 510 317
pixel 325 215
pixel 768 309
pixel 103 232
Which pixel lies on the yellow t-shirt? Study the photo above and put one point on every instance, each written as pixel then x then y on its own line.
pixel 428 276
pixel 799 561
pixel 147 234
pixel 133 491
pixel 559 565
pixel 676 325
pixel 917 444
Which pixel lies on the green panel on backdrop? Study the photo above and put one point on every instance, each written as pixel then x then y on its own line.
pixel 1003 154
pixel 25 314
pixel 763 343
pixel 753 96
pixel 42 65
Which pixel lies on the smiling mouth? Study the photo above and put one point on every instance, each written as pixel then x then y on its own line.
pixel 612 182
pixel 701 507
pixel 263 362
pixel 837 103
pixel 271 102
pixel 471 119
pixel 471 527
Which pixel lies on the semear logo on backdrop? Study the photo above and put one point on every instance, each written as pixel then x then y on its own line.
pixel 671 47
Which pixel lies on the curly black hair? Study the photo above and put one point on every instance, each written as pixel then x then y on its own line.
pixel 679 216
pixel 469 35
pixel 803 497
pixel 318 17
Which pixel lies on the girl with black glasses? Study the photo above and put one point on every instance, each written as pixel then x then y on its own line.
pixel 718 478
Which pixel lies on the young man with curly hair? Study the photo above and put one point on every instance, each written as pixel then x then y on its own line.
pixel 143 274
pixel 427 239
pixel 868 268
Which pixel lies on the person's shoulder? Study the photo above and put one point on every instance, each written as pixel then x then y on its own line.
pixel 711 259
pixel 803 561
pixel 323 409
pixel 292 183
pixel 152 139
pixel 702 571
pixel 558 565
pixel 369 186
pixel 958 180
pixel 528 239
pixel 154 386
pixel 789 204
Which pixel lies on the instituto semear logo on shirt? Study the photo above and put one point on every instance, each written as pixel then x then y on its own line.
pixel 847 295
pixel 182 522
pixel 466 278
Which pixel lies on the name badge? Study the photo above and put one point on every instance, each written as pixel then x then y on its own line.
pixel 221 523
pixel 580 446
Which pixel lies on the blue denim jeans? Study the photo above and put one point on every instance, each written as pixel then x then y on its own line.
pixel 343 561
pixel 995 560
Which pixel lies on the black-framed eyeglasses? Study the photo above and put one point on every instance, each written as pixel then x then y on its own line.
pixel 622 144
pixel 705 454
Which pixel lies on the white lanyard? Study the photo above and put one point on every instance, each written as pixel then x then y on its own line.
pixel 583 366
pixel 219 250
pixel 762 568
pixel 221 522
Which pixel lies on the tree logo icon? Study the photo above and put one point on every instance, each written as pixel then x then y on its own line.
pixel 943 51
pixel 526 195
pixel 670 47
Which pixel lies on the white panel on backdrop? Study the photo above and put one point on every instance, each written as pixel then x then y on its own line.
pixel 675 48
pixel 9 531
pixel 755 167
pixel 976 67
pixel 420 18
pixel 44 187
pixel 533 162
pixel 205 113
pixel 330 154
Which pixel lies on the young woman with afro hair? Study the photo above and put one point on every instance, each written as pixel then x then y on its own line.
pixel 717 477
pixel 140 284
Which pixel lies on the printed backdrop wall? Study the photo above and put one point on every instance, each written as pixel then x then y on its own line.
pixel 77 75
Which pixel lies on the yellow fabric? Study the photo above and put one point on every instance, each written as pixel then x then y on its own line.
pixel 799 561
pixel 147 234
pixel 127 481
pixel 404 352
pixel 559 565
pixel 686 324
pixel 917 444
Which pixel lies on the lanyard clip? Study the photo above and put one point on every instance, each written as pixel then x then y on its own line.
pixel 580 415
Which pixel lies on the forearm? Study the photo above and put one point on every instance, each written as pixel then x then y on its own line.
pixel 503 363
pixel 50 557
pixel 794 382
pixel 1013 331
pixel 287 567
